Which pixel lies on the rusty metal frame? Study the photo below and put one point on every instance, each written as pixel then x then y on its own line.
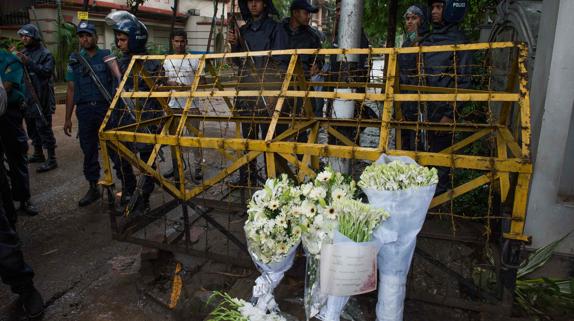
pixel 497 168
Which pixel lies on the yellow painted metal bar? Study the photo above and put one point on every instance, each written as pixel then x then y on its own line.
pixel 157 147
pixel 281 99
pixel 189 101
pixel 465 142
pixel 189 194
pixel 303 168
pixel 308 157
pixel 107 178
pixel 337 134
pixel 143 166
pixel 423 158
pixel 519 207
pixel 460 97
pixel 510 142
pixel 270 164
pixel 504 177
pixel 524 101
pixel 373 51
pixel 461 189
pixel 389 98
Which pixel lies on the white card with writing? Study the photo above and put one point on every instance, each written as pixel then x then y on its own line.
pixel 348 269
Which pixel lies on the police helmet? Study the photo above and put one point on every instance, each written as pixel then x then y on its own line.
pixel 126 23
pixel 454 10
pixel 31 31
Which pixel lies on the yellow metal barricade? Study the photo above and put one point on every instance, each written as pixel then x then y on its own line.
pixel 276 101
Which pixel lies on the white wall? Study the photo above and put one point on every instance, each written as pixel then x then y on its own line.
pixel 548 217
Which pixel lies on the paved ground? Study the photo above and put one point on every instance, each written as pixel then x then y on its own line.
pixel 81 272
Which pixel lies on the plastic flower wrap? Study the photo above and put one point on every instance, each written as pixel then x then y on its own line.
pixel 233 309
pixel 405 189
pixel 397 175
pixel 357 223
pixel 273 234
pixel 272 228
pixel 318 221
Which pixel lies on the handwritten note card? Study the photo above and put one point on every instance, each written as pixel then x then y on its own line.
pixel 348 269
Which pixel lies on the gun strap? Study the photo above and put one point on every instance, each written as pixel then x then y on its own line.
pixel 95 78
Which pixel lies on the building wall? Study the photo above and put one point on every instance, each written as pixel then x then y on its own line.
pixel 549 216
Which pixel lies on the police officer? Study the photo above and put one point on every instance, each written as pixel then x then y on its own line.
pixel 13 270
pixel 131 39
pixel 39 63
pixel 440 69
pixel 416 28
pixel 12 134
pixel 91 108
pixel 260 32
pixel 303 36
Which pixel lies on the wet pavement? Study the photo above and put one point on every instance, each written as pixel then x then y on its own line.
pixel 71 249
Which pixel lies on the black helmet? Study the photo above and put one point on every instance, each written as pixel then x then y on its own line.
pixel 454 10
pixel 31 31
pixel 246 14
pixel 126 23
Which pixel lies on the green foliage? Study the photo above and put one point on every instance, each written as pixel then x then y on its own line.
pixel 67 43
pixel 543 297
pixel 8 43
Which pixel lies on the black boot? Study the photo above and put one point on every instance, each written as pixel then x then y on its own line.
pixel 38 156
pixel 50 163
pixel 91 196
pixel 28 208
pixel 142 205
pixel 32 303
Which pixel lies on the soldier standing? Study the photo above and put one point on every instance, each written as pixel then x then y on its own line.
pixel 131 39
pixel 39 64
pixel 91 108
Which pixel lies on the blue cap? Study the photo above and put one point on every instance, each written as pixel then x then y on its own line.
pixel 86 26
pixel 303 4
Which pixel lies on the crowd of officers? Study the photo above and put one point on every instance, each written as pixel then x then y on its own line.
pixel 28 98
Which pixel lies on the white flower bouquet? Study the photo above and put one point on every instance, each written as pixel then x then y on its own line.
pixel 405 189
pixel 318 221
pixel 233 309
pixel 357 222
pixel 273 234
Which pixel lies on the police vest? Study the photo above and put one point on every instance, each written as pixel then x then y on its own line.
pixel 85 90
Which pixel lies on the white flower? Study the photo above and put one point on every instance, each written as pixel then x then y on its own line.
pixel 338 194
pixel 273 205
pixel 317 193
pixel 324 176
pixel 330 213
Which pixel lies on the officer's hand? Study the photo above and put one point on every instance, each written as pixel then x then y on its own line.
pixel 314 69
pixel 446 120
pixel 23 57
pixel 231 38
pixel 68 127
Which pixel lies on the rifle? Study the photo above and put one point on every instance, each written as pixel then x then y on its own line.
pixel 35 110
pixel 245 47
